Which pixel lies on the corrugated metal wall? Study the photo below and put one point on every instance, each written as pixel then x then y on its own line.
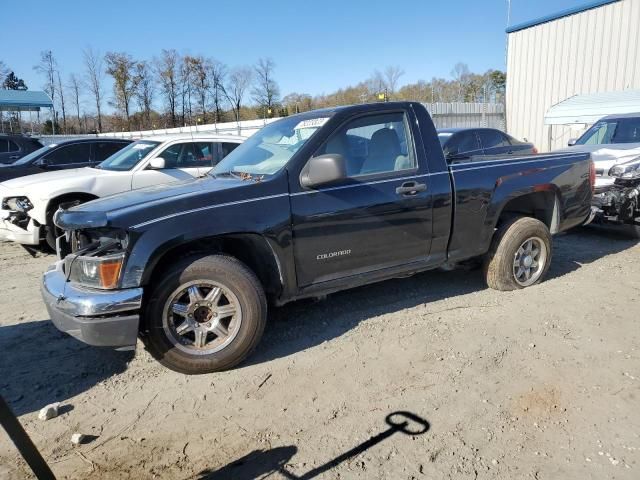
pixel 593 51
pixel 449 115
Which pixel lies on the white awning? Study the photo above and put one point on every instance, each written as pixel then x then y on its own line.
pixel 590 108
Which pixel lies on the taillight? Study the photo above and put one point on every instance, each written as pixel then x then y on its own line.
pixel 592 176
pixel 534 150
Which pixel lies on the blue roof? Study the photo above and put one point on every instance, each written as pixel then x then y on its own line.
pixel 564 13
pixel 24 100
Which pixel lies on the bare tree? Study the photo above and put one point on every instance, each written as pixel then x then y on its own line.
pixel 94 76
pixel 123 69
pixel 4 71
pixel 167 68
pixel 48 67
pixel 145 91
pixel 186 87
pixel 74 86
pixel 201 82
pixel 238 82
pixel 460 74
pixel 266 92
pixel 217 77
pixel 391 76
pixel 62 105
pixel 376 83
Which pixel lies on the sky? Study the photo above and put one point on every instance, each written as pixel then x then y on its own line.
pixel 318 46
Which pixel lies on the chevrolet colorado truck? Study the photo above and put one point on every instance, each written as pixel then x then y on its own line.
pixel 311 204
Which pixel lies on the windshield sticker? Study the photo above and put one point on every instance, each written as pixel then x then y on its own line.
pixel 312 123
pixel 142 146
pixel 444 134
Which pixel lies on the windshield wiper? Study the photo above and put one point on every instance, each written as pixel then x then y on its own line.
pixel 239 175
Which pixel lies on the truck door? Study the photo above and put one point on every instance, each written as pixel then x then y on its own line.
pixel 379 217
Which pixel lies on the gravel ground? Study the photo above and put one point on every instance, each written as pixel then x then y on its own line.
pixel 542 383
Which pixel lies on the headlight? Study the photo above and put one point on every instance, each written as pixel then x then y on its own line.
pixel 17 204
pixel 629 170
pixel 98 272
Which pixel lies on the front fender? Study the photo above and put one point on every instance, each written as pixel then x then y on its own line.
pixel 149 241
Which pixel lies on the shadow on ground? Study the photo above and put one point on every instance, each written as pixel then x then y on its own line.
pixel 304 324
pixel 261 463
pixel 39 365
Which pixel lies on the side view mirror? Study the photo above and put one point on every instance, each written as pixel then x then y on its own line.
pixel 572 142
pixel 157 163
pixel 41 163
pixel 323 170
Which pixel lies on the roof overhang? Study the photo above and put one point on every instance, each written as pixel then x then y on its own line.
pixel 562 14
pixel 587 109
pixel 24 101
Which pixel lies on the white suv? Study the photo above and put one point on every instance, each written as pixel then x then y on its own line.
pixel 27 204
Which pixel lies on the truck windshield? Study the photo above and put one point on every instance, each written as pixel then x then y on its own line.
pixel 128 157
pixel 268 150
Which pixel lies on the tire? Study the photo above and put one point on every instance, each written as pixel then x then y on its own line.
pixel 506 264
pixel 53 232
pixel 185 330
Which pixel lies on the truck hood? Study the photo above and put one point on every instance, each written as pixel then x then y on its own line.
pixel 126 210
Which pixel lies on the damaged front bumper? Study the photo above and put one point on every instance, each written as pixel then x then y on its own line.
pixel 26 231
pixel 104 318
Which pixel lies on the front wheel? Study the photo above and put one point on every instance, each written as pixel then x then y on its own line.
pixel 519 256
pixel 206 315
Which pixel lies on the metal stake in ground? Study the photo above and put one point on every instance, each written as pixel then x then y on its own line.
pixel 23 443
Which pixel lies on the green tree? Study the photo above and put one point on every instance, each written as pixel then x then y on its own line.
pixel 12 82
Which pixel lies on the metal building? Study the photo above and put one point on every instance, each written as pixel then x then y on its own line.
pixel 591 49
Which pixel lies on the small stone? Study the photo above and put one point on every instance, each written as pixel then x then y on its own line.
pixel 77 438
pixel 587 459
pixel 494 461
pixel 532 345
pixel 49 412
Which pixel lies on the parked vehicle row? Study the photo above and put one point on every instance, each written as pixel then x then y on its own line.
pixel 461 144
pixel 61 156
pixel 311 204
pixel 27 204
pixel 14 147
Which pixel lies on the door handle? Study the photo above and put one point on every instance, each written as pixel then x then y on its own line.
pixel 411 188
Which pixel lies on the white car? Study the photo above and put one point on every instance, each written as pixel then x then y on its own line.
pixel 613 140
pixel 27 204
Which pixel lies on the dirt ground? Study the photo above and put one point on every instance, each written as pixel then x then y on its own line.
pixel 542 383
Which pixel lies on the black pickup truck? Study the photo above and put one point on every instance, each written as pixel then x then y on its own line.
pixel 311 204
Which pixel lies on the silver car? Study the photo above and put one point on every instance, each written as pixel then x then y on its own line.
pixel 612 140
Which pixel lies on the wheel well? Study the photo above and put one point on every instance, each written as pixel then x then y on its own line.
pixel 251 249
pixel 540 205
pixel 54 203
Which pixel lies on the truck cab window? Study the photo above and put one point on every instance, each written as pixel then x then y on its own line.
pixel 373 144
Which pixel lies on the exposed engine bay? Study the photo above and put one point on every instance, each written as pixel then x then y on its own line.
pixel 620 203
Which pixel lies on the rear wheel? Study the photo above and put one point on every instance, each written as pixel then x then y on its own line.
pixel 520 254
pixel 207 314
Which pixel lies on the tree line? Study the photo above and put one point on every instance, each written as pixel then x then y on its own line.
pixel 174 89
